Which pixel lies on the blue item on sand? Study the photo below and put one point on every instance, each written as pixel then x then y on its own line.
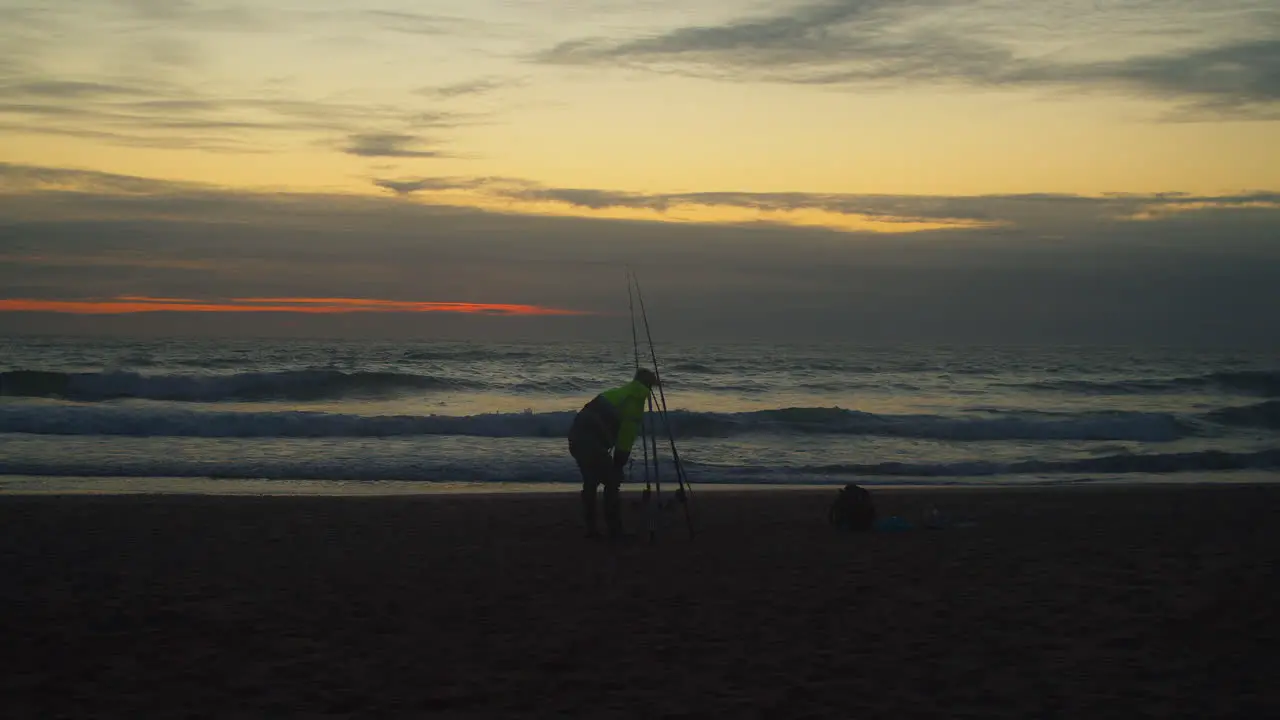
pixel 893 524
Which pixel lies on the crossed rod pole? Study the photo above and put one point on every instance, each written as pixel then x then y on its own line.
pixel 649 436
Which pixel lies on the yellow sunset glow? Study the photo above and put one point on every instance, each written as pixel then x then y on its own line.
pixel 691 99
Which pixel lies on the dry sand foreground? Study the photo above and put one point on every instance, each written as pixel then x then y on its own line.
pixel 1075 602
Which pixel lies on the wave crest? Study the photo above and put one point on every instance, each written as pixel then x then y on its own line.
pixel 1264 415
pixel 1262 383
pixel 301 385
pixel 177 422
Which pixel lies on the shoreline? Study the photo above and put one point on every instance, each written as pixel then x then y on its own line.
pixel 36 485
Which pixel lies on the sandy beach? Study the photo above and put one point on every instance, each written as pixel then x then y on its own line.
pixel 1065 602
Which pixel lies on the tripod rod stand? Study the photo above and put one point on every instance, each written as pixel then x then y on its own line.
pixel 684 489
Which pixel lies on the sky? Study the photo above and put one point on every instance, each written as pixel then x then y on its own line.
pixel 922 171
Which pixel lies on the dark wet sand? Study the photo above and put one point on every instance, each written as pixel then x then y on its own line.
pixel 1072 602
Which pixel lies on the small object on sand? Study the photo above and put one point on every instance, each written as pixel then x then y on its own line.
pixel 894 523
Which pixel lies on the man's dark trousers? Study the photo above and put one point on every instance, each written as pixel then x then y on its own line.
pixel 590 450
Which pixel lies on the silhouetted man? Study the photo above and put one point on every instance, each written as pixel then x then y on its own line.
pixel 611 421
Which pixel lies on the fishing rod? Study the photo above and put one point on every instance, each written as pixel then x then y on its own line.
pixel 681 477
pixel 656 505
pixel 645 436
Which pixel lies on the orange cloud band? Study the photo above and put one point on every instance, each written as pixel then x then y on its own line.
pixel 316 306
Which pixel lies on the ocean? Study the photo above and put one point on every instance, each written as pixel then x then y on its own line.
pixel 78 414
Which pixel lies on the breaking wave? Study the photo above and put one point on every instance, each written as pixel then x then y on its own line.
pixel 180 422
pixel 299 385
pixel 283 385
pixel 1264 415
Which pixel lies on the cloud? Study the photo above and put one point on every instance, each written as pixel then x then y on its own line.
pixel 155 114
pixel 882 43
pixel 408 187
pixel 71 89
pixel 38 193
pixel 437 119
pixel 59 192
pixel 23 179
pixel 140 81
pixel 413 185
pixel 1226 76
pixel 61 189
pixel 387 145
pixel 184 141
pixel 993 210
pixel 481 86
pixel 834 41
pixel 155 104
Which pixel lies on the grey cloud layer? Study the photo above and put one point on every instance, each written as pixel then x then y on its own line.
pixel 891 208
pixel 388 145
pixel 1073 274
pixel 880 42
pixel 17 179
pixel 1032 212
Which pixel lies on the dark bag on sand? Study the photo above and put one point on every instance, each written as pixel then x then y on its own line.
pixel 852 509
